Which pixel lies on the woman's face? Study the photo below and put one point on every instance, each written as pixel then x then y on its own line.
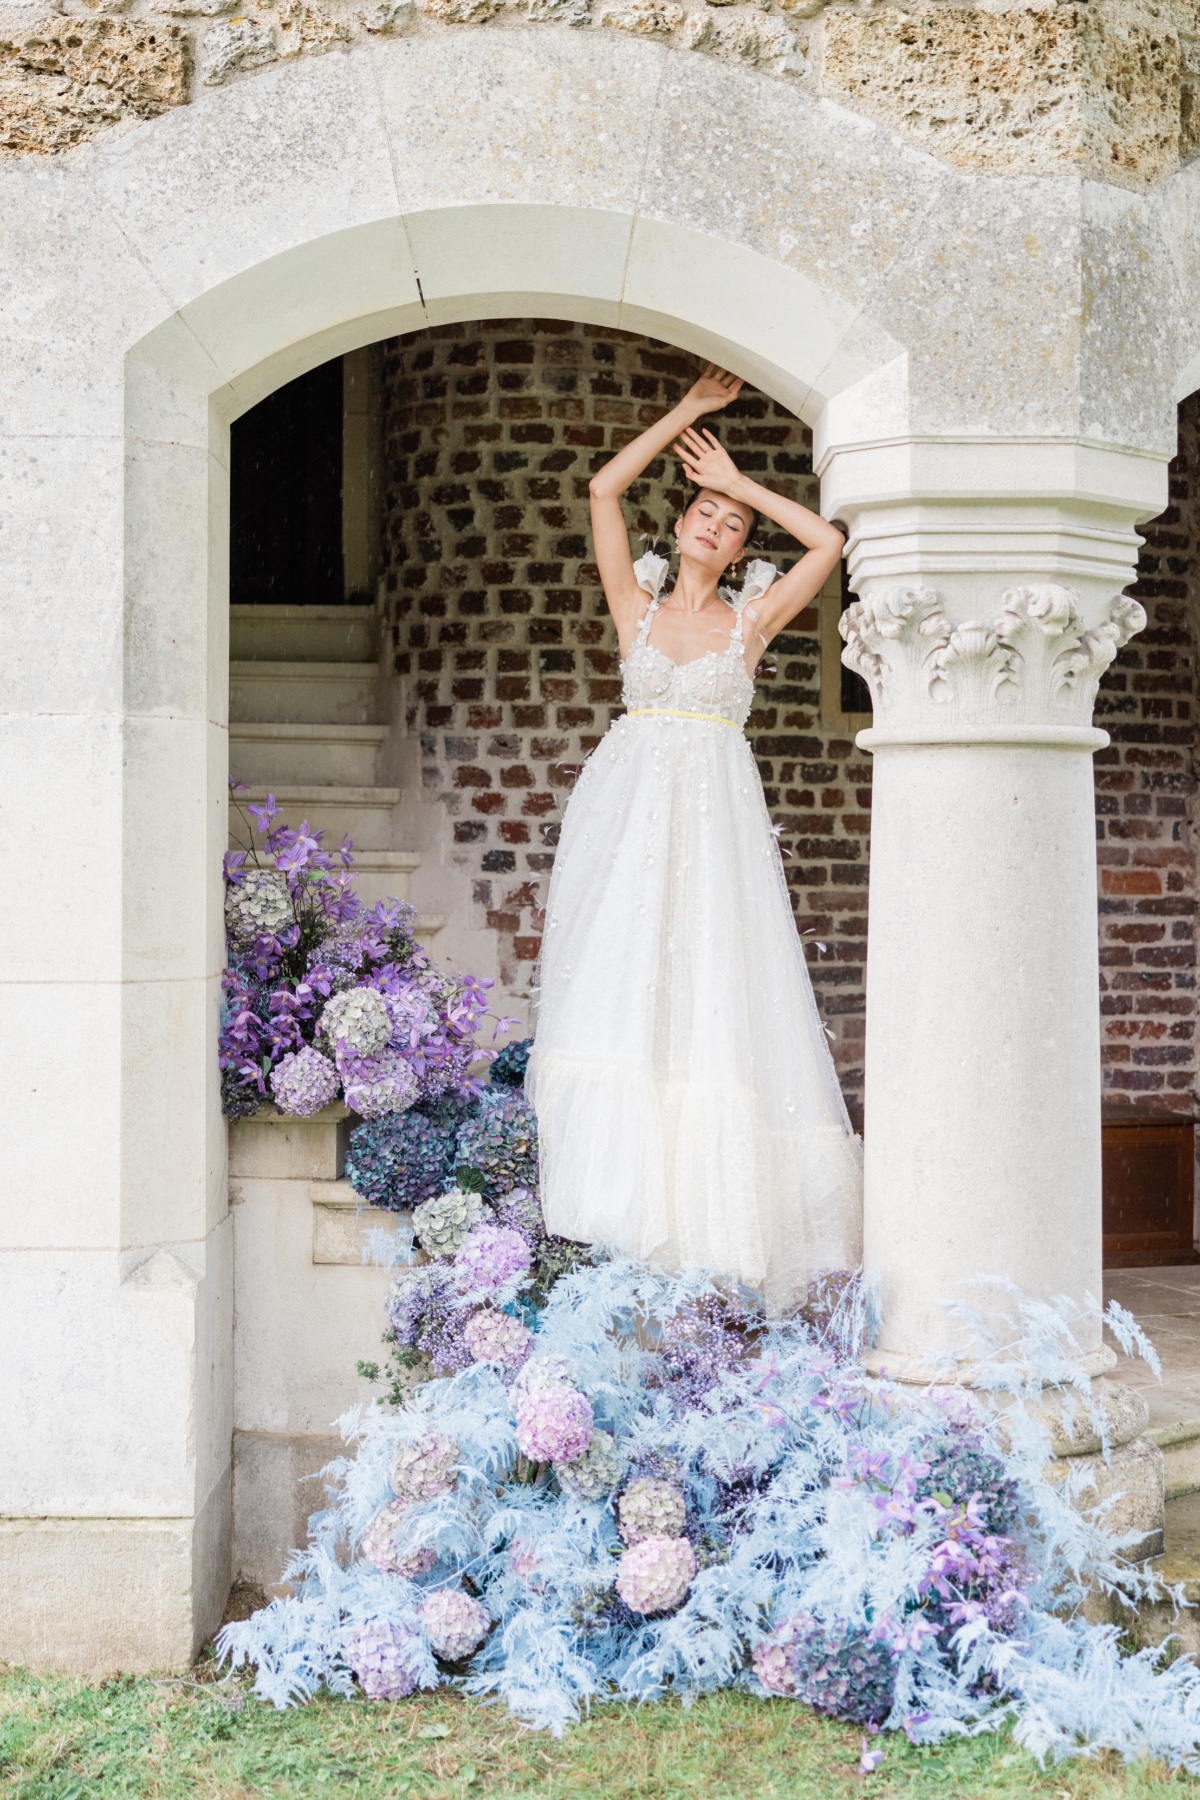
pixel 713 530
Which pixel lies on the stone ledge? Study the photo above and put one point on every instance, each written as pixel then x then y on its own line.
pixel 341 1220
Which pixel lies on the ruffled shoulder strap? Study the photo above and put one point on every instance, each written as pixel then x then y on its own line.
pixel 651 572
pixel 759 577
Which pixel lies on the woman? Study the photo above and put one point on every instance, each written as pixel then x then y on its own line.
pixel 687 1105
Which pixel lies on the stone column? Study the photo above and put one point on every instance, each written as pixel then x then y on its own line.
pixel 990 581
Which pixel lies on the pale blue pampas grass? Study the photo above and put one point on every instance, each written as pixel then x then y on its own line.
pixel 807 1489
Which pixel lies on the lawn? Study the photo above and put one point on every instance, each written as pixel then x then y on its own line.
pixel 63 1739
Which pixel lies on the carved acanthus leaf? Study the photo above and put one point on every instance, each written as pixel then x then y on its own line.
pixel 1035 663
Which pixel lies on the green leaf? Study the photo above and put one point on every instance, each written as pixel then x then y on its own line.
pixel 434 1731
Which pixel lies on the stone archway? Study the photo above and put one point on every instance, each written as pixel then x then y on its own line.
pixel 922 319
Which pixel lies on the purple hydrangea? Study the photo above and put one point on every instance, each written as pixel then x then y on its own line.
pixel 412 1017
pixel 491 1256
pixel 701 1343
pixel 772 1658
pixel 456 1623
pixel 655 1575
pixel 304 1082
pixel 379 1085
pixel 493 1336
pixel 385 1660
pixel 500 1140
pixel 378 1544
pixel 424 1308
pixel 554 1424
pixel 521 1210
pixel 842 1670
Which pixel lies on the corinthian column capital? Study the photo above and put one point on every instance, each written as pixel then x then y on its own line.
pixel 1028 671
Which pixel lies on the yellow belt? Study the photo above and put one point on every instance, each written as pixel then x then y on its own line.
pixel 672 712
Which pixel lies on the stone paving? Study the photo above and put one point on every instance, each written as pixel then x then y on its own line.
pixel 1166 1303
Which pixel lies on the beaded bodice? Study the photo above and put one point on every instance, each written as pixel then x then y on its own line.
pixel 715 685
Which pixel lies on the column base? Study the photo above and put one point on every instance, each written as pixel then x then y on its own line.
pixel 102 1597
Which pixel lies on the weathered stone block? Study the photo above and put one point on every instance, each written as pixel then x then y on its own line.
pixel 62 81
pixel 1094 88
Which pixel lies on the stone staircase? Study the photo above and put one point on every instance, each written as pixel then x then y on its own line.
pixel 307 723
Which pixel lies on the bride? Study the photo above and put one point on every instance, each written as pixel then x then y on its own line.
pixel 688 1109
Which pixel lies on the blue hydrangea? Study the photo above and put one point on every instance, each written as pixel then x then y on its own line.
pixel 398 1161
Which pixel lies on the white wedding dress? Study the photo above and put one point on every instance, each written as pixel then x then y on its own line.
pixel 688 1109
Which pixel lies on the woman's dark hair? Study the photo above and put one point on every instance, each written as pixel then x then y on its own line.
pixel 695 494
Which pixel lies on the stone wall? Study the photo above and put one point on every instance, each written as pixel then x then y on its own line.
pixel 1106 89
pixel 491 432
pixel 1145 812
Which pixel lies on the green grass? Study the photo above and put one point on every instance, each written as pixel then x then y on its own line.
pixel 65 1739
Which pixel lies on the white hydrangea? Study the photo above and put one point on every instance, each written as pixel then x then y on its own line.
pixel 258 906
pixel 357 1022
pixel 595 1473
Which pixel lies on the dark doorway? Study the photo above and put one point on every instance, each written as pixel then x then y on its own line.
pixel 285 486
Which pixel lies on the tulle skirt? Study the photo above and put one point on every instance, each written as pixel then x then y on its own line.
pixel 688 1109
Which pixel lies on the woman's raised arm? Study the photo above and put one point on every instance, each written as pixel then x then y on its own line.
pixel 708 464
pixel 610 534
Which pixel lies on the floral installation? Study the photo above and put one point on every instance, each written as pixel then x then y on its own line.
pixel 325 997
pixel 591 1481
pixel 674 1493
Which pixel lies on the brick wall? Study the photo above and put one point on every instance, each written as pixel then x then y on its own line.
pixel 491 432
pixel 1145 802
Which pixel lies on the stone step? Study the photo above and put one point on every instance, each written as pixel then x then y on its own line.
pixel 302 633
pixel 273 752
pixel 306 693
pixel 1180 1445
pixel 364 814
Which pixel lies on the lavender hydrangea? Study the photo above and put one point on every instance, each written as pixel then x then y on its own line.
pixel 356 1023
pixel 594 1474
pixel 772 1658
pixel 398 1161
pixel 384 1659
pixel 650 1508
pixel 412 1016
pixel 425 1309
pixel 303 1082
pixel 425 1468
pixel 443 1224
pixel 259 905
pixel 961 1470
pixel 378 1544
pixel 500 1140
pixel 521 1210
pixel 655 1575
pixel 456 1623
pixel 379 1085
pixel 491 1257
pixel 542 1372
pixel 493 1336
pixel 842 1670
pixel 554 1424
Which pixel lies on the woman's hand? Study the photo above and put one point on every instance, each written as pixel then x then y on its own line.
pixel 706 463
pixel 715 389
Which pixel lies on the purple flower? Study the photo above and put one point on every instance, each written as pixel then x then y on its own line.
pixel 491 1256
pixel 456 1622
pixel 554 1424
pixel 493 1336
pixel 304 1082
pixel 385 1660
pixel 377 1086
